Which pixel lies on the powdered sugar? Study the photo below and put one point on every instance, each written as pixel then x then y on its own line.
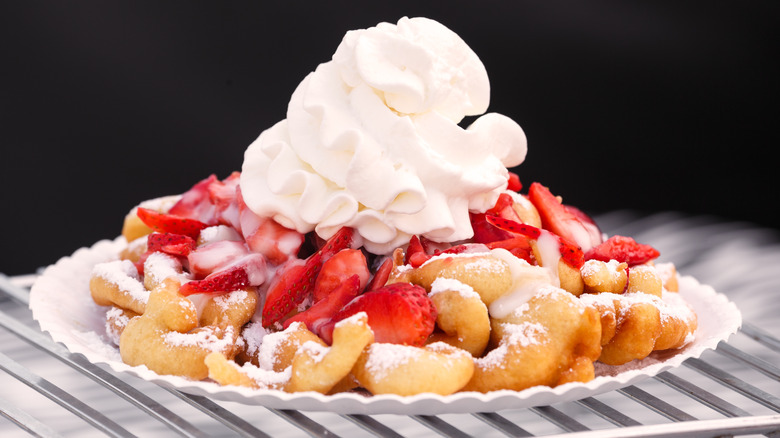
pixel 670 305
pixel 449 284
pixel 124 275
pixel 270 344
pixel 217 233
pixel 315 350
pixel 210 337
pixel 120 321
pixel 465 254
pixel 516 335
pixel 353 319
pixel 382 357
pixel 230 299
pixel 160 266
pixel 253 334
pixel 264 378
pixel 594 267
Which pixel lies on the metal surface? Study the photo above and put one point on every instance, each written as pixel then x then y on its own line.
pixel 735 390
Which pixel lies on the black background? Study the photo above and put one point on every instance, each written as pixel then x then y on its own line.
pixel 650 106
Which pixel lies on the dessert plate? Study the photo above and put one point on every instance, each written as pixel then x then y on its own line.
pixel 61 303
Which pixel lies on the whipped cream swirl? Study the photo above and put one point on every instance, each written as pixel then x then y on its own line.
pixel 372 141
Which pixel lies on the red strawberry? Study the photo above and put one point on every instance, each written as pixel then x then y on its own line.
pixel 570 253
pixel 323 310
pixel 296 282
pixel 168 223
pixel 415 253
pixel 381 276
pixel 245 272
pixel 457 249
pixel 195 203
pixel 277 243
pixel 223 195
pixel 519 246
pixel 565 221
pixel 342 239
pixel 214 256
pixel 337 269
pixel 173 244
pixel 485 232
pixel 398 313
pixel 623 249
pixel 514 183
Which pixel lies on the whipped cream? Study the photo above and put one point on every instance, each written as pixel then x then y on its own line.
pixel 371 141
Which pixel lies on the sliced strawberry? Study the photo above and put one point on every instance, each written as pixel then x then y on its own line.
pixel 485 232
pixel 139 264
pixel 341 240
pixel 214 256
pixel 513 182
pixel 381 276
pixel 623 249
pixel 514 227
pixel 399 313
pixel 415 253
pixel 457 249
pixel 244 272
pixel 173 244
pixel 323 310
pixel 223 196
pixel 519 246
pixel 563 220
pixel 195 203
pixel 168 223
pixel 570 253
pixel 343 265
pixel 277 243
pixel 296 282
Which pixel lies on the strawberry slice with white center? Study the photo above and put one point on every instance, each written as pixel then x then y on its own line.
pixel 214 256
pixel 266 236
pixel 398 313
pixel 195 203
pixel 277 243
pixel 224 196
pixel 296 281
pixel 565 221
pixel 569 252
pixel 248 271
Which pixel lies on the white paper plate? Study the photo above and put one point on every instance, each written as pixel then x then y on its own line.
pixel 61 303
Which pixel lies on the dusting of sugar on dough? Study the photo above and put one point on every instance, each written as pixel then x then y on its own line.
pixel 124 275
pixel 383 357
pixel 523 335
pixel 205 337
pixel 442 284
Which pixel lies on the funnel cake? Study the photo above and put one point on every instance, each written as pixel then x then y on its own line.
pixel 370 244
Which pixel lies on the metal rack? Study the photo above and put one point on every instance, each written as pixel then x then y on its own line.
pixel 48 391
